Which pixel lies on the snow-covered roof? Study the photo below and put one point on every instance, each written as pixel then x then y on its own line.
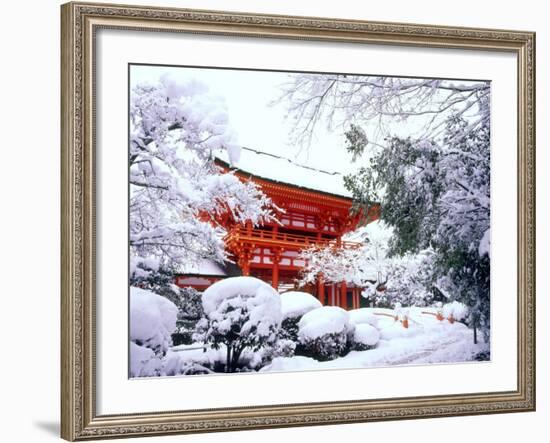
pixel 204 267
pixel 284 170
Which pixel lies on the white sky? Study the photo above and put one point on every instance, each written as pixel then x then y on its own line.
pixel 257 124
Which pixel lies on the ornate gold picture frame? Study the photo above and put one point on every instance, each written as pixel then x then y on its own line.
pixel 80 24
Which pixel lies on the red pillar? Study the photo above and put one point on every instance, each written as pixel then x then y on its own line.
pixel 275 276
pixel 244 261
pixel 321 289
pixel 343 295
pixel 275 279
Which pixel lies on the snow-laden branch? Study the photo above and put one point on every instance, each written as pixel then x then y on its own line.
pixel 386 102
pixel 176 190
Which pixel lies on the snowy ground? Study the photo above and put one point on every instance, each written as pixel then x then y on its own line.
pixel 426 340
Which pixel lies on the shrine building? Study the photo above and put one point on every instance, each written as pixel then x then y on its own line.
pixel 312 208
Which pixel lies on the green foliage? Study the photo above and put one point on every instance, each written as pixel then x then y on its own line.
pixel 289 328
pixel 158 279
pixel 324 348
pixel 190 304
pixel 184 332
pixel 283 348
pixel 356 141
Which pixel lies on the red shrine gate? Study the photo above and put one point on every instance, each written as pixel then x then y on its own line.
pixel 271 252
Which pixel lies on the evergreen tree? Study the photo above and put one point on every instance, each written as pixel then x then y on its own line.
pixel 436 195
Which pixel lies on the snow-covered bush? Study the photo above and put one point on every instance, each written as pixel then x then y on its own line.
pixel 188 300
pixel 190 303
pixel 364 337
pixel 240 313
pixel 455 311
pixel 149 273
pixel 184 332
pixel 363 315
pixel 192 359
pixel 323 333
pixel 282 348
pixel 144 362
pixel 294 305
pixel 152 321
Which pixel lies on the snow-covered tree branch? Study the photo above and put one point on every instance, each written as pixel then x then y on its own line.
pixel 382 102
pixel 176 190
pixel 385 279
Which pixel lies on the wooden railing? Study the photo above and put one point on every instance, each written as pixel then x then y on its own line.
pixel 302 241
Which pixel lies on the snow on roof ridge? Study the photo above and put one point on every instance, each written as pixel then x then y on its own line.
pixel 326 182
pixel 280 157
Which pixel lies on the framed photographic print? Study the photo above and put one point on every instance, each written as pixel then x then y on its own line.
pixel 254 207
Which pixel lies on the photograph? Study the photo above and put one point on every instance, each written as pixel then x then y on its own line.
pixel 303 221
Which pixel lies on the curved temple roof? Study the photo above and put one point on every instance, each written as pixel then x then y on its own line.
pixel 283 170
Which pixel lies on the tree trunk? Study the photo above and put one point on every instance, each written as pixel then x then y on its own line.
pixel 475 332
pixel 228 359
pixel 235 358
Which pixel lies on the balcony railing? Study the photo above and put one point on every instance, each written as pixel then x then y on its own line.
pixel 265 237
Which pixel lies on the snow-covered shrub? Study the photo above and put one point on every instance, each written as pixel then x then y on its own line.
pixel 193 359
pixel 152 321
pixel 144 362
pixel 190 303
pixel 184 332
pixel 149 273
pixel 294 305
pixel 455 311
pixel 323 333
pixel 363 315
pixel 364 337
pixel 282 348
pixel 240 313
